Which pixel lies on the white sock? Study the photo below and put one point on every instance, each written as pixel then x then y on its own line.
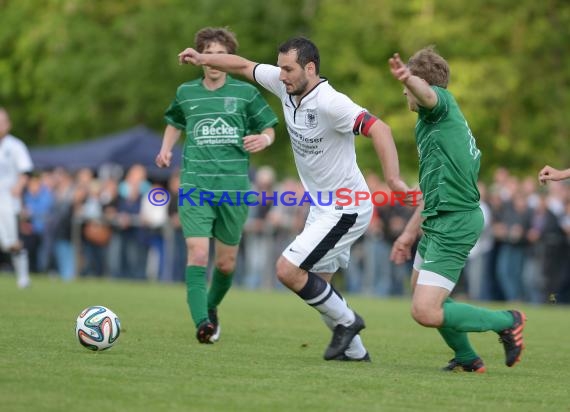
pixel 20 263
pixel 328 303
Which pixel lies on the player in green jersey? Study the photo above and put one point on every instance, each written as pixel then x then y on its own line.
pixel 224 120
pixel 450 217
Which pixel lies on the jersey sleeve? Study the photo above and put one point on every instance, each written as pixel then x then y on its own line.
pixel 268 77
pixel 174 116
pixel 342 113
pixel 259 113
pixel 439 111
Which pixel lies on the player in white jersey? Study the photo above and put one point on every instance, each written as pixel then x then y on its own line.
pixel 15 163
pixel 322 124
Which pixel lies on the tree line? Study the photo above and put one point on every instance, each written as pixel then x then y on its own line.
pixel 71 70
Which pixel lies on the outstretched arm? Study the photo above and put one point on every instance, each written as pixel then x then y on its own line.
pixel 549 173
pixel 418 87
pixel 230 63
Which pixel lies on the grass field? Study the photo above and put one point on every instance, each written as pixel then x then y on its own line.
pixel 269 357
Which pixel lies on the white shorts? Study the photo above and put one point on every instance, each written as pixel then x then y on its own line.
pixel 324 244
pixel 8 226
pixel 426 277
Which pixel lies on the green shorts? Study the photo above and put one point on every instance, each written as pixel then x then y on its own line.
pixel 223 222
pixel 448 238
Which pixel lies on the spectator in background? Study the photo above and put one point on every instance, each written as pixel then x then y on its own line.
pixel 500 184
pixel 564 296
pixel 176 250
pixel 511 230
pixel 15 165
pixel 259 233
pixel 529 190
pixel 153 220
pixel 549 250
pixel 127 248
pixel 95 234
pixel 393 280
pixel 60 223
pixel 37 204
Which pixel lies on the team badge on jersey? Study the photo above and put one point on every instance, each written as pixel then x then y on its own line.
pixel 311 118
pixel 230 104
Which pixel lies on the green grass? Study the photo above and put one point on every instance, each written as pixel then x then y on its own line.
pixel 269 358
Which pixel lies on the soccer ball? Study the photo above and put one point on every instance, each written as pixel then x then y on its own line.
pixel 97 328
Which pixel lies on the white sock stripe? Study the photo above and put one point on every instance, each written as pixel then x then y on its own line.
pixel 323 296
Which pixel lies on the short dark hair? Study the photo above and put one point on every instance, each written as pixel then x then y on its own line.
pixel 216 35
pixel 307 51
pixel 430 66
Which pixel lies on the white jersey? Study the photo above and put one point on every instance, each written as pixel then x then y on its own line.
pixel 14 160
pixel 321 132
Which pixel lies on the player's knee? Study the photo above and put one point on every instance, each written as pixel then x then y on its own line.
pixel 283 270
pixel 197 257
pixel 226 264
pixel 426 315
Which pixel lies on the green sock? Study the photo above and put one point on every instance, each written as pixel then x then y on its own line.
pixel 221 283
pixel 468 318
pixel 196 293
pixel 459 342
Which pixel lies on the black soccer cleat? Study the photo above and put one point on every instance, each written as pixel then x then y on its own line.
pixel 512 339
pixel 205 331
pixel 475 365
pixel 345 358
pixel 342 336
pixel 213 316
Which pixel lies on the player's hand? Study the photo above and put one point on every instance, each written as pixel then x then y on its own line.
pixel 163 159
pixel 399 70
pixel 547 173
pixel 402 248
pixel 411 197
pixel 189 55
pixel 255 143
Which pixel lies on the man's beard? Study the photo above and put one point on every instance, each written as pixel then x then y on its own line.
pixel 301 89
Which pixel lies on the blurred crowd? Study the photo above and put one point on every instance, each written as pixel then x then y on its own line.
pixel 87 224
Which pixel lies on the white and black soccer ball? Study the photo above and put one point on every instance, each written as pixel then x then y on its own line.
pixel 97 328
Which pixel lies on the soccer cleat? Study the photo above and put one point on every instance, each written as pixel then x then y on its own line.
pixel 345 358
pixel 205 331
pixel 342 336
pixel 512 338
pixel 475 365
pixel 213 315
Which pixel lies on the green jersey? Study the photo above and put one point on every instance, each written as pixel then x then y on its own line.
pixel 215 122
pixel 449 157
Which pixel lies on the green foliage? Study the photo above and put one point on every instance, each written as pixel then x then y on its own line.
pixel 269 357
pixel 74 69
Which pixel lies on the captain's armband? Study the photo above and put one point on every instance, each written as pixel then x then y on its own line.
pixel 363 123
